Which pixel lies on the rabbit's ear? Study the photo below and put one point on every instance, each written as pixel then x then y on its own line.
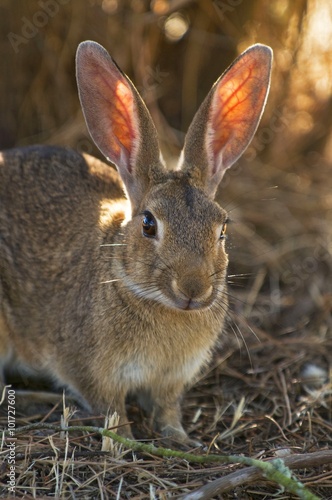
pixel 117 118
pixel 228 118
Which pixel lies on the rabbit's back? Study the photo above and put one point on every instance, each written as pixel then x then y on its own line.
pixel 50 236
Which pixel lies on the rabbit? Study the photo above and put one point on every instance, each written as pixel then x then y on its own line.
pixel 114 281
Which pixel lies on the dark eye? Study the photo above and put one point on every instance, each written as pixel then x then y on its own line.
pixel 223 230
pixel 149 225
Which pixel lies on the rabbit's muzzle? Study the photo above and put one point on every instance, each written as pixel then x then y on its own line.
pixel 192 291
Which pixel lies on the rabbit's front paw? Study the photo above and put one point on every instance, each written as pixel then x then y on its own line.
pixel 177 437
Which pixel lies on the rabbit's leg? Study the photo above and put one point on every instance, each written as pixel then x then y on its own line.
pixel 107 402
pixel 167 415
pixel 118 405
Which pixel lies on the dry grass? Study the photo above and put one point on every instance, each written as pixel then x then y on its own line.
pixel 259 398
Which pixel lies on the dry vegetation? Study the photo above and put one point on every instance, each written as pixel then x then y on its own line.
pixel 260 398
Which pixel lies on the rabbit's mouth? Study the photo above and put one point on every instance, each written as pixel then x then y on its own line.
pixel 191 304
pixel 192 298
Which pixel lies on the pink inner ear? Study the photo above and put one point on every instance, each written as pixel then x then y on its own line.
pixel 111 113
pixel 121 110
pixel 118 112
pixel 236 109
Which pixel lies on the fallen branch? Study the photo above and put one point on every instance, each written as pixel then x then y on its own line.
pixel 252 475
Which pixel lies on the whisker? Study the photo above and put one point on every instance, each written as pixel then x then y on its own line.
pixel 240 285
pixel 243 319
pixel 109 281
pixel 244 195
pixel 229 314
pixel 244 343
pixel 240 275
pixel 243 302
pixel 112 257
pixel 114 245
pixel 235 328
pixel 253 332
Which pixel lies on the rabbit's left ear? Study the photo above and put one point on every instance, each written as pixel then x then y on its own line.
pixel 227 120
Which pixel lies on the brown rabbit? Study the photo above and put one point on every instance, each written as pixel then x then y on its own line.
pixel 115 295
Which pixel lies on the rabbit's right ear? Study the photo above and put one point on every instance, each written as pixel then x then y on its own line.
pixel 228 118
pixel 117 119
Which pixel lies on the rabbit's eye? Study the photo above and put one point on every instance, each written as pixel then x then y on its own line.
pixel 223 231
pixel 149 225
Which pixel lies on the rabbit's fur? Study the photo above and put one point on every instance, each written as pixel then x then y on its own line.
pixel 110 296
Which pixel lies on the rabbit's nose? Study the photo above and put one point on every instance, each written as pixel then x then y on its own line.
pixel 193 287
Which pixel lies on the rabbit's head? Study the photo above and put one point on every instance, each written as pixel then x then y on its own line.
pixel 174 242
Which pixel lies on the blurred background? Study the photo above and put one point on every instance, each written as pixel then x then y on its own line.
pixel 279 194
